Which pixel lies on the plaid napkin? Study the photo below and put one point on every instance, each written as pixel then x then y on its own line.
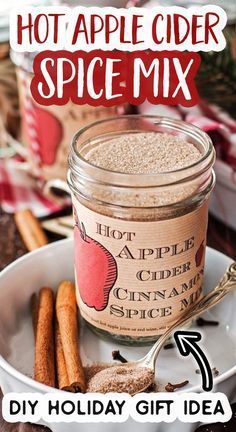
pixel 211 119
pixel 18 190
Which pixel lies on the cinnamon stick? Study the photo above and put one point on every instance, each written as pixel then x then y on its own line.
pixel 62 375
pixel 44 369
pixel 30 229
pixel 66 311
pixel 35 312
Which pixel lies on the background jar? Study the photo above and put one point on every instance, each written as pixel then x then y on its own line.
pixel 143 203
pixel 47 130
pixel 9 119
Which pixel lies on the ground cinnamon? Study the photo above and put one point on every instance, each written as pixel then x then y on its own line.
pixel 127 378
pixel 66 311
pixel 30 229
pixel 44 370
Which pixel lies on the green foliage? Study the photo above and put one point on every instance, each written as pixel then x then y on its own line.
pixel 216 79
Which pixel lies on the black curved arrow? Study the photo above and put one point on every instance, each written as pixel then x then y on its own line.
pixel 186 342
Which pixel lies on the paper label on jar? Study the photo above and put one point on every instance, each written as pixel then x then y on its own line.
pixel 136 278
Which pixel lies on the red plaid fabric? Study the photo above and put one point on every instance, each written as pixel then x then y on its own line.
pixel 218 124
pixel 18 191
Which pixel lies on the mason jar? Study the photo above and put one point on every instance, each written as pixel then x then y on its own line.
pixel 140 238
pixel 10 119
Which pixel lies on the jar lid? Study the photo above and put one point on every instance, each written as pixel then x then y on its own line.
pixel 7 6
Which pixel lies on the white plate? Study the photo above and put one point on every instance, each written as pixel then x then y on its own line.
pixel 50 265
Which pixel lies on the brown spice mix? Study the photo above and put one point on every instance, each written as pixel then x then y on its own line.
pixel 121 379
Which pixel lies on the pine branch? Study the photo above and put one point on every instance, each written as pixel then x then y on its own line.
pixel 216 79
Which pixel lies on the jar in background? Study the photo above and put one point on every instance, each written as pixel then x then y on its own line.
pixel 47 130
pixel 9 118
pixel 139 237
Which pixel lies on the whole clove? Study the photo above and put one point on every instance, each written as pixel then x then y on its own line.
pixel 172 387
pixel 169 346
pixel 215 371
pixel 116 355
pixel 202 322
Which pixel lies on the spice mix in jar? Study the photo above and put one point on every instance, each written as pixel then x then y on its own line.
pixel 140 187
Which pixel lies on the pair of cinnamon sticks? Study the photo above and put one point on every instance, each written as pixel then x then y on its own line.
pixel 57 359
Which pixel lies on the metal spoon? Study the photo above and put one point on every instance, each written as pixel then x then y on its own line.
pixel 226 284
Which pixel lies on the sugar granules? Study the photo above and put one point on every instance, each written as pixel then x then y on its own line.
pixel 144 153
pixel 126 378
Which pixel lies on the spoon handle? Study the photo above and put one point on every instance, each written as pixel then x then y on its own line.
pixel 226 284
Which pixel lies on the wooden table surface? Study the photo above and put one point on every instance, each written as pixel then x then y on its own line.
pixel 219 237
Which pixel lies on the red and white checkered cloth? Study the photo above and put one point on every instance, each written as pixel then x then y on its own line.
pixel 19 191
pixel 211 119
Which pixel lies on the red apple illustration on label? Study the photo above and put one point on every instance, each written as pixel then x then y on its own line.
pixel 96 269
pixel 199 254
pixel 49 134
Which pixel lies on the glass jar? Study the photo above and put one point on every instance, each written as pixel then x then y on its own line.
pixel 47 147
pixel 139 238
pixel 9 118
